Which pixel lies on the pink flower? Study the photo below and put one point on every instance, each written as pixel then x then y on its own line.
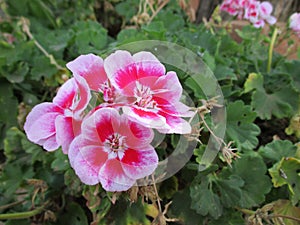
pixel 112 150
pixel 295 23
pixel 91 68
pixel 256 12
pixel 233 7
pixel 153 95
pixel 265 10
pixel 56 124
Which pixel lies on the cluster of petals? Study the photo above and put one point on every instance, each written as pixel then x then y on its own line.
pixel 294 23
pixel 109 142
pixel 258 13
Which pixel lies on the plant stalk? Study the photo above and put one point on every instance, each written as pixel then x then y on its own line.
pixel 23 215
pixel 271 49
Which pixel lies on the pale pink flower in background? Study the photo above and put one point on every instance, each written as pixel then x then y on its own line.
pixel 258 13
pixel 112 150
pixel 153 94
pixel 233 7
pixel 294 23
pixel 54 124
pixel 265 10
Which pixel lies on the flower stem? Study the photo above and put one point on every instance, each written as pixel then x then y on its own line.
pixel 23 215
pixel 271 48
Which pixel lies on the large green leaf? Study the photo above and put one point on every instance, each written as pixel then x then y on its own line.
pixel 73 214
pixel 240 126
pixel 252 170
pixel 8 104
pixel 125 213
pixel 90 37
pixel 230 190
pixel 278 149
pixel 280 103
pixel 204 200
pixel 181 208
pixel 286 172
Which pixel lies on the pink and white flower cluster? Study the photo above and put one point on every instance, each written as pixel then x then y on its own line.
pixel 294 23
pixel 258 13
pixel 110 142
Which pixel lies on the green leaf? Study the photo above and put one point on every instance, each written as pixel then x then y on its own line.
pixel 16 73
pixel 90 37
pixel 172 22
pixel 42 68
pixel 286 172
pixel 61 162
pixel 181 208
pixel 240 126
pixel 12 177
pixel 155 30
pixel 278 149
pixel 294 125
pixel 125 213
pixel 223 72
pixel 8 104
pixel 127 8
pixel 252 170
pixel 168 188
pixel 229 217
pixel 280 103
pixel 73 214
pixel 230 190
pixel 254 81
pixel 130 35
pixel 204 200
pixel 209 60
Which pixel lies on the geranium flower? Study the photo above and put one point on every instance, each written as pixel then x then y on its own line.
pixel 91 68
pixel 152 93
pixel 233 7
pixel 265 9
pixel 54 124
pixel 295 23
pixel 112 150
pixel 255 11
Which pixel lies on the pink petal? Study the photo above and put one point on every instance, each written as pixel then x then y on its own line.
pixel 139 163
pixel 66 94
pixel 49 144
pixel 136 134
pixel 145 117
pixel 88 163
pixel 124 70
pixel 148 65
pixel 91 68
pixel 113 177
pixel 266 8
pixel 176 125
pixel 85 95
pixel 65 131
pixel 40 122
pixel 74 147
pixel 259 24
pixel 171 86
pixel 101 124
pixel 271 20
pixel 120 69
